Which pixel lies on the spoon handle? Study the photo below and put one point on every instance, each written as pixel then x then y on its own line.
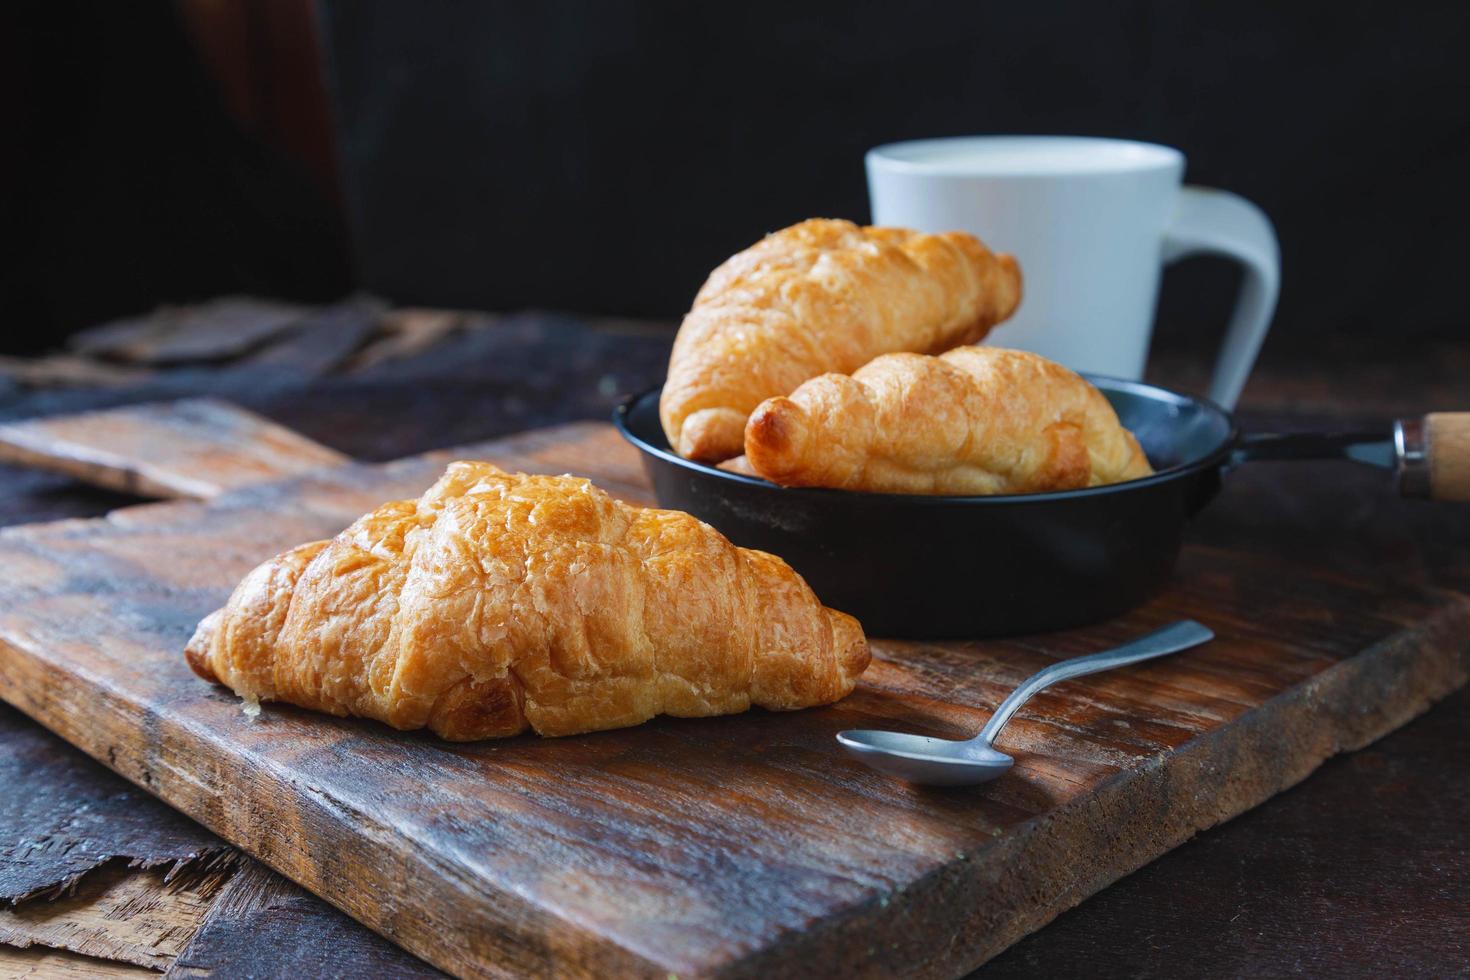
pixel 1171 639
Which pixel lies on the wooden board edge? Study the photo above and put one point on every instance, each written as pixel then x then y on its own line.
pixel 464 941
pixel 1206 782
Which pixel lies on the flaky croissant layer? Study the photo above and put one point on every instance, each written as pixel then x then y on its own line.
pixel 820 296
pixel 975 420
pixel 499 602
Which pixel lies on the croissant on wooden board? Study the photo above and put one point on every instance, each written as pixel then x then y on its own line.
pixel 975 420
pixel 822 295
pixel 499 602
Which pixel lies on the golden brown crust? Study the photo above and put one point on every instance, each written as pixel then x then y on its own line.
pixel 976 420
pixel 820 296
pixel 500 602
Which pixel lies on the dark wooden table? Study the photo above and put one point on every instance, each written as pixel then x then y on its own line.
pixel 1364 869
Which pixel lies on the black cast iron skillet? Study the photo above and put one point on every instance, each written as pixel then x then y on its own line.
pixel 937 566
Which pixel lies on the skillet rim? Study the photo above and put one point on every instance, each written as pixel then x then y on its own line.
pixel 1214 458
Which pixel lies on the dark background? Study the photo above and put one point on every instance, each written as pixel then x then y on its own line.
pixel 602 156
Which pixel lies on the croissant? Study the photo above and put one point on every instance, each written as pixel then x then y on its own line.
pixel 822 296
pixel 976 420
pixel 499 602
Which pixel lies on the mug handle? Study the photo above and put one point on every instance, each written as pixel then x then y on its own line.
pixel 1222 223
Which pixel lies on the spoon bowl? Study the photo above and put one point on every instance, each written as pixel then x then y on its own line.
pixel 925 760
pixel 944 762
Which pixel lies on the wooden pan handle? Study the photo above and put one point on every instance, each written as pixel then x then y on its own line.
pixel 1434 456
pixel 1449 455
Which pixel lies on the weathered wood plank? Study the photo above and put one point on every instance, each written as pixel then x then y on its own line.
pixel 323 340
pixel 41 963
pixel 74 818
pixel 212 331
pixel 196 448
pixel 304 940
pixel 119 913
pixel 732 846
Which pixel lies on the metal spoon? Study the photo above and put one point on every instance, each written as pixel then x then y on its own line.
pixel 945 762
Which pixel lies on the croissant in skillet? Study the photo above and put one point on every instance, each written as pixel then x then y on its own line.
pixel 976 420
pixel 500 602
pixel 821 296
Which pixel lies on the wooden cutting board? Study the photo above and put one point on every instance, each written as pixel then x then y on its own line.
pixel 736 846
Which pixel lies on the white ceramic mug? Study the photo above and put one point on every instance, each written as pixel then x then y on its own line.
pixel 1092 221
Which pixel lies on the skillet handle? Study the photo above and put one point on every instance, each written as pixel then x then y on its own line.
pixel 1434 456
